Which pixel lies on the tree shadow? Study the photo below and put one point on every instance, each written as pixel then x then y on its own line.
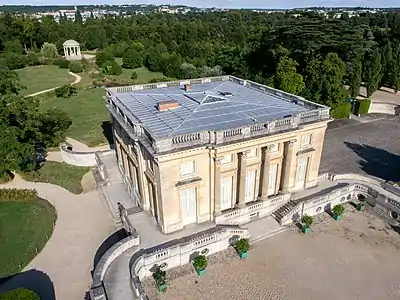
pixel 33 280
pixel 107 244
pixel 377 162
pixel 107 132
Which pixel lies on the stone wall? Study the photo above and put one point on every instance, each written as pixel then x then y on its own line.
pixel 384 108
pixel 76 158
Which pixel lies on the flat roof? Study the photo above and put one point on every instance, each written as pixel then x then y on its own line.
pixel 207 106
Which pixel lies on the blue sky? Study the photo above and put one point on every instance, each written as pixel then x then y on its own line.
pixel 225 3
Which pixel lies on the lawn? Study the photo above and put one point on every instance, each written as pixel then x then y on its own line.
pixel 40 78
pixel 144 75
pixel 25 227
pixel 61 174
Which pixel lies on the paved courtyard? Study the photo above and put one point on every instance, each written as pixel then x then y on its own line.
pixel 356 258
pixel 371 147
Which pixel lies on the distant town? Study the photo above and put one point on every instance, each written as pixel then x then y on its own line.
pixel 100 11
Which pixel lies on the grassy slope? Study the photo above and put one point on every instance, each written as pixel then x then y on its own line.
pixel 25 228
pixel 39 78
pixel 62 174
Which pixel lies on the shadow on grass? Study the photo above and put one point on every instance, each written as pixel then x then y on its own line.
pixel 107 132
pixel 33 280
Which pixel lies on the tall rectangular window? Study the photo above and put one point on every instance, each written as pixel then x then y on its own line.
pixel 306 139
pixel 187 168
pixel 272 176
pixel 301 168
pixel 188 205
pixel 226 192
pixel 250 185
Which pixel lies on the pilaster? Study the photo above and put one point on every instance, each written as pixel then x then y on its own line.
pixel 217 185
pixel 288 161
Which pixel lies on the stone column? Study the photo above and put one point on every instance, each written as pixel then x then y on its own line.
pixel 287 166
pixel 265 174
pixel 242 178
pixel 217 186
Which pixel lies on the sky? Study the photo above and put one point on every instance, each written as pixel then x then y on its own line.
pixel 272 4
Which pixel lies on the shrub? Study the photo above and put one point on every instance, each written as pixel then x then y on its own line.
pixel 102 57
pixel 32 59
pixel 132 59
pixel 362 106
pixel 200 262
pixel 338 209
pixel 242 245
pixel 49 51
pixel 62 63
pixel 159 79
pixel 6 177
pixel 14 60
pixel 134 75
pixel 111 68
pixel 159 276
pixel 7 195
pixel 76 67
pixel 341 111
pixel 19 294
pixel 307 220
pixel 65 91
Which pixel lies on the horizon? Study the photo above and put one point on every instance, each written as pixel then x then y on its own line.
pixel 226 4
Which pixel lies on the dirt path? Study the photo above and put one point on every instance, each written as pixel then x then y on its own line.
pixel 82 224
pixel 78 78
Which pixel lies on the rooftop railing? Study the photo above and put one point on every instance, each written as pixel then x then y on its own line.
pixel 315 113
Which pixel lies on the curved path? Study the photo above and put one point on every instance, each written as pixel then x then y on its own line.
pixel 82 224
pixel 78 78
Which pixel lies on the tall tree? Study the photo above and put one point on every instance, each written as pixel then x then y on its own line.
pixel 286 77
pixel 387 61
pixel 395 68
pixel 78 17
pixel 9 82
pixel 313 89
pixel 373 72
pixel 355 76
pixel 132 59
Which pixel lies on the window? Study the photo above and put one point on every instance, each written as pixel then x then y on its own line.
pixel 150 165
pixel 188 205
pixel 301 168
pixel 273 172
pixel 226 159
pixel 252 153
pixel 306 139
pixel 187 168
pixel 250 185
pixel 226 192
pixel 274 148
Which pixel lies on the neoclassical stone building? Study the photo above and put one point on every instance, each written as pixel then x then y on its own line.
pixel 72 50
pixel 216 149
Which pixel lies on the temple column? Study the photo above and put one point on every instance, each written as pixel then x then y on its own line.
pixel 265 174
pixel 217 186
pixel 242 178
pixel 287 180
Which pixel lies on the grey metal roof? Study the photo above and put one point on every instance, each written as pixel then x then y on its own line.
pixel 205 107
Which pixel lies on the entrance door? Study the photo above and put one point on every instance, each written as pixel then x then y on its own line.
pixel 188 205
pixel 301 172
pixel 226 192
pixel 250 186
pixel 273 172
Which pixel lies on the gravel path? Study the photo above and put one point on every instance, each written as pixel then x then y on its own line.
pixel 356 258
pixel 82 224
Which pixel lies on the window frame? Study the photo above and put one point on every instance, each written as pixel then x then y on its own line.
pixel 187 174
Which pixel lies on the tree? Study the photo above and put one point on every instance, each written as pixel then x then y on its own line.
pixel 132 59
pixel 9 82
pixel 49 51
pixel 134 75
pixel 188 71
pixel 13 46
pixel 53 125
pixel 386 61
pixel 313 90
pixel 173 65
pixel 373 72
pixel 20 294
pixel 76 67
pixel 286 78
pixel 355 77
pixel 395 68
pixel 103 57
pixel 78 17
pixel 111 67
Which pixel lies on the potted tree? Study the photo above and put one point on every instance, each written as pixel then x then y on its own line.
pixel 200 264
pixel 338 211
pixel 242 246
pixel 361 205
pixel 306 221
pixel 160 279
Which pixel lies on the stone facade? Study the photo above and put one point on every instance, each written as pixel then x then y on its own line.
pixel 233 174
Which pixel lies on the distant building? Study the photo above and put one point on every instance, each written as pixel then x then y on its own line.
pixel 214 149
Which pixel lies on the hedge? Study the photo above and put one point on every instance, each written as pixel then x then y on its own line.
pixel 76 67
pixel 7 195
pixel 362 106
pixel 341 111
pixel 19 294
pixel 62 63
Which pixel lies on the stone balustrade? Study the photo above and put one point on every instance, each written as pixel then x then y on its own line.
pixel 316 113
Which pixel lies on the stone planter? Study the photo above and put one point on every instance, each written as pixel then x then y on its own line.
pixel 201 272
pixel 162 287
pixel 337 217
pixel 243 255
pixel 360 206
pixel 305 229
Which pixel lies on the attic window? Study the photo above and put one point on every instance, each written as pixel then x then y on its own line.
pixel 212 99
pixel 226 94
pixel 166 105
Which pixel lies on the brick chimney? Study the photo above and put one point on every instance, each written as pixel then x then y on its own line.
pixel 166 105
pixel 187 87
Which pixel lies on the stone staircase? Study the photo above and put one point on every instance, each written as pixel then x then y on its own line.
pixel 285 209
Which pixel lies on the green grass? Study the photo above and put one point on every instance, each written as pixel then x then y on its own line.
pixel 144 75
pixel 61 174
pixel 40 78
pixel 25 228
pixel 88 113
